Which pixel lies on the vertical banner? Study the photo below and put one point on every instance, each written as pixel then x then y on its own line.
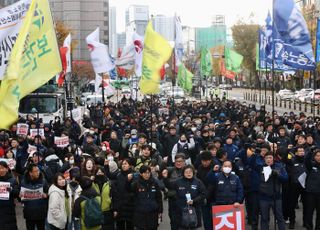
pixel 226 217
pixel 318 42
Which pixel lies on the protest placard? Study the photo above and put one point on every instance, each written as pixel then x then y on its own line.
pixel 61 141
pixel 22 129
pixel 227 217
pixel 4 193
pixel 31 194
pixel 35 132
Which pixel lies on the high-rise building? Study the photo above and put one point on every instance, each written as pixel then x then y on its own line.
pixel 188 40
pixel 83 17
pixel 164 26
pixel 218 20
pixel 4 3
pixel 121 40
pixel 213 36
pixel 113 31
pixel 137 17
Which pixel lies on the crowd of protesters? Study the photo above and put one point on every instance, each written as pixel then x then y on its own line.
pixel 128 158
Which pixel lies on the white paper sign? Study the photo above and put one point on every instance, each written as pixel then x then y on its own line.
pixel 11 18
pixel 22 129
pixel 267 172
pixel 32 149
pixel 35 132
pixel 76 114
pixel 61 141
pixel 302 179
pixel 31 194
pixel 4 193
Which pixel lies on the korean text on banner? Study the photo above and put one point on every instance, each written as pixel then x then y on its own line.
pixel 156 53
pixel 61 142
pixel 11 18
pixel 22 129
pixel 35 132
pixel 226 217
pixel 31 194
pixel 28 67
pixel 4 193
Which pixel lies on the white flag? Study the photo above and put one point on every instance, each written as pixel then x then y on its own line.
pixel 126 60
pixel 138 55
pixel 178 41
pixel 11 18
pixel 67 44
pixel 100 58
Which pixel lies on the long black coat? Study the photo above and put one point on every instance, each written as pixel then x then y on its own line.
pixel 148 203
pixel 123 199
pixel 7 207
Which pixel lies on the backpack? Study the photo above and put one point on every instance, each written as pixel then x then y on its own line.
pixel 93 215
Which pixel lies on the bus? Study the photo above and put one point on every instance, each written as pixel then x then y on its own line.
pixel 45 105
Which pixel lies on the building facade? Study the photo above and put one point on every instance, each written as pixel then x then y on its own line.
pixel 137 18
pixel 83 17
pixel 164 26
pixel 113 31
pixel 121 40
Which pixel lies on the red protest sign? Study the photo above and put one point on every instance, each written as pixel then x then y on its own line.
pixel 227 217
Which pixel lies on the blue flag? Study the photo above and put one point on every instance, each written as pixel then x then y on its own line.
pixel 291 36
pixel 113 72
pixel 318 42
pixel 265 54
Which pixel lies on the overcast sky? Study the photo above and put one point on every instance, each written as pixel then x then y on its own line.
pixel 197 13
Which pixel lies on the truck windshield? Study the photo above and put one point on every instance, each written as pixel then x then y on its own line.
pixel 38 104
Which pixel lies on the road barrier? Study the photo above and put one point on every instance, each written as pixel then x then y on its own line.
pixel 290 104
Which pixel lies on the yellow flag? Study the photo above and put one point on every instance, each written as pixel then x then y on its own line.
pixel 156 53
pixel 34 60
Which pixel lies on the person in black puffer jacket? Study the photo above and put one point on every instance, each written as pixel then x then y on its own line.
pixel 7 207
pixel 148 202
pixel 123 200
pixel 34 211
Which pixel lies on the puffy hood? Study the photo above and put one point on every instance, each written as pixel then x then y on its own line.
pixel 54 157
pixel 54 188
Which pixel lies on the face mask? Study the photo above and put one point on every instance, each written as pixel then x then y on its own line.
pixel 226 170
pixel 104 148
pixel 133 150
pixel 193 129
pixel 71 162
pixel 91 132
pixel 183 141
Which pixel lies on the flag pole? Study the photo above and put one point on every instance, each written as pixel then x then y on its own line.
pixel 102 88
pixel 174 65
pixel 273 117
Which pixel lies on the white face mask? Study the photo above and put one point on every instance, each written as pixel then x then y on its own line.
pixel 71 162
pixel 226 170
pixel 104 148
pixel 193 129
pixel 91 132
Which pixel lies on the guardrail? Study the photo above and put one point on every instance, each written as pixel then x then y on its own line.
pixel 312 108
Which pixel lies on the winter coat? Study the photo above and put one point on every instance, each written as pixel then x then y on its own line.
pixel 197 191
pixel 35 209
pixel 73 194
pixel 57 215
pixel 148 203
pixel 52 165
pixel 7 207
pixel 123 199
